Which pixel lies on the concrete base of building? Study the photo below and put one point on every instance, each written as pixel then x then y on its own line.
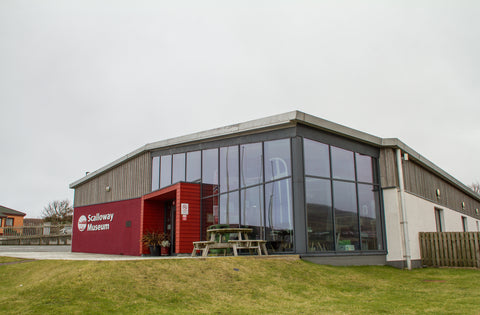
pixel 402 264
pixel 344 260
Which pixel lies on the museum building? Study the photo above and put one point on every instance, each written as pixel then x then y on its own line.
pixel 307 186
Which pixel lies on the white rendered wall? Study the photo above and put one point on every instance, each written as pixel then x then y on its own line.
pixel 393 229
pixel 421 218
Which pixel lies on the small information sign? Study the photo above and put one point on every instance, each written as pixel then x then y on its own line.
pixel 184 209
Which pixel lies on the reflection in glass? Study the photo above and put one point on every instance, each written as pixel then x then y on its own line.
pixel 369 214
pixel 165 171
pixel 228 168
pixel 252 210
pixel 194 166
pixel 346 217
pixel 229 208
pixel 209 214
pixel 251 164
pixel 364 168
pixel 210 172
pixel 319 214
pixel 279 222
pixel 155 172
pixel 317 159
pixel 277 159
pixel 178 168
pixel 342 164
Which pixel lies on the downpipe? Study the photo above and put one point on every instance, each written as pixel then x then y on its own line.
pixel 404 222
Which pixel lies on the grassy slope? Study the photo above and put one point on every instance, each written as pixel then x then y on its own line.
pixel 232 285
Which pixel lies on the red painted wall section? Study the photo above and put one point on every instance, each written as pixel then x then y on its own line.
pixel 108 228
pixel 187 227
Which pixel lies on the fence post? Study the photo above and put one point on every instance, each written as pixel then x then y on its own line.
pixel 477 249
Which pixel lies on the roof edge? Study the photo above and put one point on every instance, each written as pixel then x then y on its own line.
pixel 8 211
pixel 257 124
pixel 398 144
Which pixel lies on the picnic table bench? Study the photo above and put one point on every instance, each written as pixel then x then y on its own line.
pixel 218 240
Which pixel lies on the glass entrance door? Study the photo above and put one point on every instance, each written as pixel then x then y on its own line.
pixel 170 223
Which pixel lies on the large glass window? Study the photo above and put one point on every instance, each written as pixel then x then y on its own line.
pixel 346 217
pixel 369 211
pixel 364 168
pixel 279 217
pixel 178 168
pixel 194 166
pixel 354 204
pixel 228 168
pixel 317 159
pixel 342 164
pixel 229 208
pixel 155 172
pixel 319 214
pixel 251 171
pixel 165 171
pixel 252 210
pixel 277 159
pixel 210 172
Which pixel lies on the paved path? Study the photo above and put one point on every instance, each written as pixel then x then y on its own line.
pixel 64 252
pixel 61 252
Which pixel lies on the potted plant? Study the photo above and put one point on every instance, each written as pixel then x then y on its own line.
pixel 152 239
pixel 165 247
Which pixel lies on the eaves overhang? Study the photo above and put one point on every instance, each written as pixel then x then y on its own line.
pixel 4 211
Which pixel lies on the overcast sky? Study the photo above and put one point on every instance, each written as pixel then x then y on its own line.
pixel 83 83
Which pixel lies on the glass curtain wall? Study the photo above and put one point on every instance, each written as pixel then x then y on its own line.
pixel 246 185
pixel 342 199
pixel 250 185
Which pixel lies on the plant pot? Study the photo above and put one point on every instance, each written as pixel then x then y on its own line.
pixel 154 250
pixel 165 251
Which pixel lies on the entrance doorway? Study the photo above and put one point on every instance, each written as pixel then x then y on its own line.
pixel 161 211
pixel 169 227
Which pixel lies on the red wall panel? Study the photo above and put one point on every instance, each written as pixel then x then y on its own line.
pixel 108 228
pixel 188 228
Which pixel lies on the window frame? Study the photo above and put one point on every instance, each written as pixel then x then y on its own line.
pixel 439 220
pixel 7 220
pixel 464 224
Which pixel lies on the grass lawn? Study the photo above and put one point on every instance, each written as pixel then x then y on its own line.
pixel 232 286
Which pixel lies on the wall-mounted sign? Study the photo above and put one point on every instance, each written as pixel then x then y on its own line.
pixel 97 222
pixel 184 209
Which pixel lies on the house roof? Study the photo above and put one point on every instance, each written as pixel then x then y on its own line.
pixel 4 211
pixel 281 121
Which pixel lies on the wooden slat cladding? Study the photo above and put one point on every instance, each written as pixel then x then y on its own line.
pixel 423 183
pixel 388 168
pixel 131 179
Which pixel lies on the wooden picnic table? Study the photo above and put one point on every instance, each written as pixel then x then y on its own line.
pixel 217 239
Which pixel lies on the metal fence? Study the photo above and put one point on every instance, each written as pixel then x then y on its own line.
pixel 36 235
pixel 450 249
